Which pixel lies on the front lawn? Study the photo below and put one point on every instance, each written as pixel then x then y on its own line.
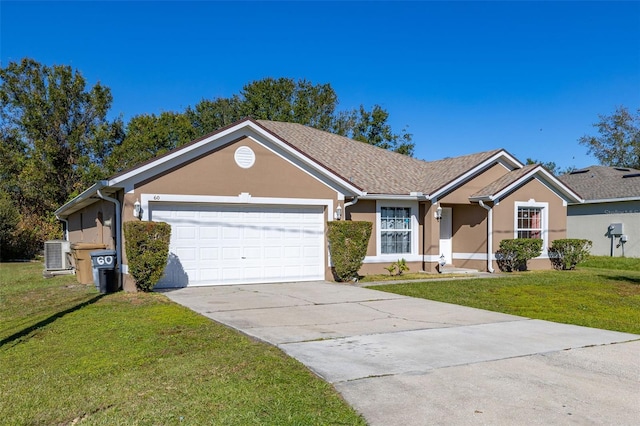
pixel 589 296
pixel 69 355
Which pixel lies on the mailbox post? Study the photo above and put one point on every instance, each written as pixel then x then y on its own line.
pixel 104 265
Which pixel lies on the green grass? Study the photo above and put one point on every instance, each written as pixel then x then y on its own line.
pixel 592 297
pixel 68 354
pixel 404 276
pixel 607 262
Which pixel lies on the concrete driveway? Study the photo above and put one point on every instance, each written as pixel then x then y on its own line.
pixel 405 361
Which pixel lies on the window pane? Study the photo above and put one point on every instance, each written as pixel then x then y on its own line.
pixel 395 230
pixel 529 222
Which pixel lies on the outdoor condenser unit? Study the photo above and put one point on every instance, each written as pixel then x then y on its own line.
pixel 56 255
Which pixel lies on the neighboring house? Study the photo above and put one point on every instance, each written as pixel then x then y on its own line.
pixel 249 204
pixel 610 213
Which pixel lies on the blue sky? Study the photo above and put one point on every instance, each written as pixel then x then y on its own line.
pixel 530 77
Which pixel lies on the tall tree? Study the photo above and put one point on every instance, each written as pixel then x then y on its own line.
pixel 618 144
pixel 373 128
pixel 149 136
pixel 55 133
pixel 210 115
pixel 281 99
pixel 55 140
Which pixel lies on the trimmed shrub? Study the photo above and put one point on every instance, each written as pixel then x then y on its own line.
pixel 147 245
pixel 513 254
pixel 348 241
pixel 565 254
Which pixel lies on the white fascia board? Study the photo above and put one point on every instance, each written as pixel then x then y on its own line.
pixel 87 194
pixel 244 129
pixel 546 179
pixel 398 197
pixel 147 200
pixel 169 160
pixel 608 200
pixel 293 153
pixel 503 158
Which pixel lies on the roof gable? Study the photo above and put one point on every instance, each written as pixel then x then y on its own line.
pixel 516 178
pixel 209 143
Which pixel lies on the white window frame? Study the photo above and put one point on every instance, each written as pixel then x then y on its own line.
pixel 413 256
pixel 544 210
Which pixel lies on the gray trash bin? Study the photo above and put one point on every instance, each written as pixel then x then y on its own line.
pixel 103 263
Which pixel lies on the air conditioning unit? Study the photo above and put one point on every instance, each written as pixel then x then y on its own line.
pixel 56 255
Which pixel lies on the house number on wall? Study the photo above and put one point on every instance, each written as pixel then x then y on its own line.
pixel 156 198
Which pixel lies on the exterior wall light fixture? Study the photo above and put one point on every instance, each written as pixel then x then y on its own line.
pixel 438 213
pixel 338 213
pixel 137 209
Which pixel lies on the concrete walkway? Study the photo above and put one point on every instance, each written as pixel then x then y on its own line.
pixel 405 361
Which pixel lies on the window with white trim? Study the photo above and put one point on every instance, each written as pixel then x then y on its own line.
pixel 529 222
pixel 395 230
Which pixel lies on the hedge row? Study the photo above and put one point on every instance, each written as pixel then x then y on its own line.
pixel 564 254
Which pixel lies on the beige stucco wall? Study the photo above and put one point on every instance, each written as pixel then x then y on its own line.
pixel 218 174
pixel 461 195
pixel 504 217
pixel 469 228
pixel 89 224
pixel 591 221
pixel 365 211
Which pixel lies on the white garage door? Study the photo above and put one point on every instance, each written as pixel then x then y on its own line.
pixel 214 244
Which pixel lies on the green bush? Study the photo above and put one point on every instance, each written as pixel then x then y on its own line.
pixel 348 241
pixel 513 254
pixel 565 254
pixel 147 245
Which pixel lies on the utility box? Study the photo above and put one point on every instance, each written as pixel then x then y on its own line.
pixel 616 229
pixel 104 275
pixel 82 259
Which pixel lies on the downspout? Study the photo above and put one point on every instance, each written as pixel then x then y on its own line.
pixel 66 227
pixel 117 235
pixel 349 204
pixel 489 235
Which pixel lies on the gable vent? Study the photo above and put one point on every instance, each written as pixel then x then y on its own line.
pixel 245 157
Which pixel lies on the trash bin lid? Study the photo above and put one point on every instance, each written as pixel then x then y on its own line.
pixel 97 253
pixel 87 246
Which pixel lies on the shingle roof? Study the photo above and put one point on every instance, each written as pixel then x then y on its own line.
pixel 375 170
pixel 604 183
pixel 504 181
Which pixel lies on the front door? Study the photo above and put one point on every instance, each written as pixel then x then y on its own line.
pixel 446 246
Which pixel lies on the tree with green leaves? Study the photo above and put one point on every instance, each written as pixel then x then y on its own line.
pixel 148 136
pixel 372 127
pixel 55 137
pixel 281 99
pixel 551 166
pixel 618 143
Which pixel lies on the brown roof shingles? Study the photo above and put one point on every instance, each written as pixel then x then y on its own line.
pixel 604 183
pixel 504 181
pixel 375 170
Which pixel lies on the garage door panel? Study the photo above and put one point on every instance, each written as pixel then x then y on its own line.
pixel 209 232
